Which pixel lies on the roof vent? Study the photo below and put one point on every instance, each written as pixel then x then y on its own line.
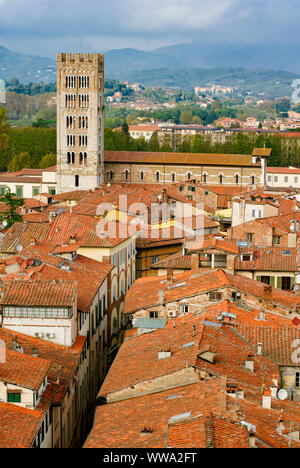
pixel 146 430
pixel 259 348
pixel 164 354
pixel 249 364
pixel 267 399
pixel 161 296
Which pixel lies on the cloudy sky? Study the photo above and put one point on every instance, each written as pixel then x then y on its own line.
pixel 44 27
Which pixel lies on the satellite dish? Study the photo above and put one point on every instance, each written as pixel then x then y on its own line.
pixel 5 224
pixel 19 248
pixel 292 227
pixel 282 394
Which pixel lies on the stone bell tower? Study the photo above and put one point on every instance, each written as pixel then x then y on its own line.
pixel 80 121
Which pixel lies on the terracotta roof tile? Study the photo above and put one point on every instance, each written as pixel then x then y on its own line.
pixel 40 293
pixel 24 370
pixel 18 426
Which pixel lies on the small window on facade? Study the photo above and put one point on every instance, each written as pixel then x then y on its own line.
pixel 154 314
pixel 173 177
pixel 215 296
pixel 35 191
pixel 189 176
pixel 205 178
pixel 157 176
pixel 142 175
pixel 126 174
pixel 297 379
pixel 246 258
pixel 77 181
pixel 13 397
pixel 19 192
pixel 249 237
pixel 221 178
pixel 252 180
pixel 237 179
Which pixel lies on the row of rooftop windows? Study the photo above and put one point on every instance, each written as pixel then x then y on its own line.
pixel 38 312
pixel 286 179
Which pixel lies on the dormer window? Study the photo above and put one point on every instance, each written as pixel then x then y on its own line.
pixel 246 258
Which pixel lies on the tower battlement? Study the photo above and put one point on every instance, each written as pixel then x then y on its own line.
pixel 78 59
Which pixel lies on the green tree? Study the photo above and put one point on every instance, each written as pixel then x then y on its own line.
pixel 186 117
pixel 11 216
pixel 196 120
pixel 4 126
pixel 282 105
pixel 48 160
pixel 19 162
pixel 153 142
pixel 125 128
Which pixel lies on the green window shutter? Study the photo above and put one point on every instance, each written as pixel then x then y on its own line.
pixel 258 278
pixel 272 281
pixel 279 282
pixel 14 397
pixel 292 282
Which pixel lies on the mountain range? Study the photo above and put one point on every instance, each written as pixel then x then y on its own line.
pixel 183 65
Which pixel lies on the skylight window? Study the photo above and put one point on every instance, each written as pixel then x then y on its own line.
pixel 179 417
pixel 188 345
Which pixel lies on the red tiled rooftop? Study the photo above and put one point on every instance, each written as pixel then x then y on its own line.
pixel 40 293
pixel 18 426
pixel 23 370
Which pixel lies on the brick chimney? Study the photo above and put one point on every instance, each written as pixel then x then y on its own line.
pixel 195 264
pixel 252 439
pixel 170 273
pixel 267 293
pixel 230 262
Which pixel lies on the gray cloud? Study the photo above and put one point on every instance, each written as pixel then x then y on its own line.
pixel 45 26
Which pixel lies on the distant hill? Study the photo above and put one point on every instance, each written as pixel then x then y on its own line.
pixel 26 68
pixel 271 83
pixel 234 55
pixel 252 68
